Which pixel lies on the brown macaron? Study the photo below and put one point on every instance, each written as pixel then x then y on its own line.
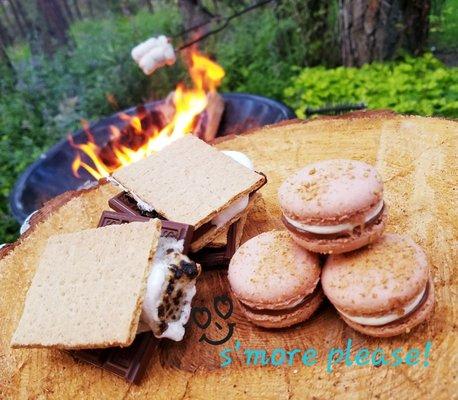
pixel 382 290
pixel 334 206
pixel 275 281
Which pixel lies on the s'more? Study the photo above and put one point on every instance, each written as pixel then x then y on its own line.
pixel 193 183
pixel 99 287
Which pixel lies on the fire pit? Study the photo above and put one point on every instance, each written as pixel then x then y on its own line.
pixel 52 175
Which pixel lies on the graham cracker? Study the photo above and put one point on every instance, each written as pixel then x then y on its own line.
pixel 88 288
pixel 188 181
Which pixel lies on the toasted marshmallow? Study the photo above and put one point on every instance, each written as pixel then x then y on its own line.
pixel 154 53
pixel 387 318
pixel 330 229
pixel 170 289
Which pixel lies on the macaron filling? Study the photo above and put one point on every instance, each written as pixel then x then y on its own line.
pixel 370 216
pixel 279 311
pixel 392 316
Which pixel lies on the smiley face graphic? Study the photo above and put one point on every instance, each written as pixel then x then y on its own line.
pixel 202 317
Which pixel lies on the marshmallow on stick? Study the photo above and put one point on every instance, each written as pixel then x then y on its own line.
pixel 154 53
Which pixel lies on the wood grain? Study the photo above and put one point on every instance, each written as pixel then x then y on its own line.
pixel 417 159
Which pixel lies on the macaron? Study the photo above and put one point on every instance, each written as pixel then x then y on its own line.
pixel 333 206
pixel 275 281
pixel 382 290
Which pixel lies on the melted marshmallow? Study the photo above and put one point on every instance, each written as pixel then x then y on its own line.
pixel 241 204
pixel 324 230
pixel 155 291
pixel 385 319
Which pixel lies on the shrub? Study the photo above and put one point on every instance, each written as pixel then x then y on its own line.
pixel 421 86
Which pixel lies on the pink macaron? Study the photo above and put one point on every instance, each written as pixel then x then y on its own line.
pixel 275 281
pixel 382 290
pixel 334 206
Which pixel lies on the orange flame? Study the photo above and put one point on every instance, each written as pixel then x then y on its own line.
pixel 135 142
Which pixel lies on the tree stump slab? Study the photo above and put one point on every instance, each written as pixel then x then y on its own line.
pixel 417 159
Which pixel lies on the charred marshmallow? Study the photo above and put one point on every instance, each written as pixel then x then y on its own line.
pixel 170 289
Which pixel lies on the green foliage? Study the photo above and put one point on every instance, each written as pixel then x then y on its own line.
pixel 255 55
pixel 443 22
pixel 421 86
pixel 45 99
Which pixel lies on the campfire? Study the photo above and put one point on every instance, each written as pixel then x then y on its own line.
pixel 187 110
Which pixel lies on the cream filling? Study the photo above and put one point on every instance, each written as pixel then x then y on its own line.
pixel 330 229
pixel 385 319
pixel 154 293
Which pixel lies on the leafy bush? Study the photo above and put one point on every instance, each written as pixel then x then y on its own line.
pixel 421 86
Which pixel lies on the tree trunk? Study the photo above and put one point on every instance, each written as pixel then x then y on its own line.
pixel 17 18
pixel 374 30
pixel 10 26
pixel 5 40
pixel 194 14
pixel 149 5
pixel 416 23
pixel 54 30
pixel 90 8
pixel 5 37
pixel 77 9
pixel 68 11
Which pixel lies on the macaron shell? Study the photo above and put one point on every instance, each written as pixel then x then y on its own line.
pixel 270 271
pixel 330 191
pixel 344 244
pixel 287 317
pixel 377 279
pixel 404 326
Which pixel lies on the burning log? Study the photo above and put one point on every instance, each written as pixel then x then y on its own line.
pixel 207 122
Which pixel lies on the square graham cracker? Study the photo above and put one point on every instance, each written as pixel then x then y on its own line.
pixel 89 287
pixel 188 181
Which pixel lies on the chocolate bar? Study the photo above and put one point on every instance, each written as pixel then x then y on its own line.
pixel 170 229
pixel 129 363
pixel 207 257
pixel 124 203
pixel 218 257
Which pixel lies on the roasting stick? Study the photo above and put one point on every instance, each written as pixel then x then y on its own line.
pixel 156 52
